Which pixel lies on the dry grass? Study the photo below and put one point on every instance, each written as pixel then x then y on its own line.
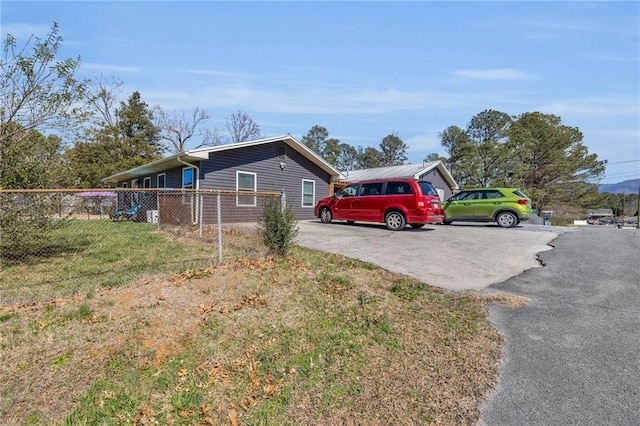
pixel 312 339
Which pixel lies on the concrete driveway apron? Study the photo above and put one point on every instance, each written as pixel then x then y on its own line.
pixel 572 356
pixel 455 257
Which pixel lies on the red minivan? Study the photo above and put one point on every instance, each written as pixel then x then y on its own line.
pixel 394 202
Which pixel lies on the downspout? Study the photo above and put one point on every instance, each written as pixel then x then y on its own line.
pixel 197 187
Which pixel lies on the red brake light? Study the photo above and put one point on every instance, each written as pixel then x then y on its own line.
pixel 523 201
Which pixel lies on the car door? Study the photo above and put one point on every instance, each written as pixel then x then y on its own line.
pixel 486 204
pixel 460 206
pixel 342 205
pixel 370 203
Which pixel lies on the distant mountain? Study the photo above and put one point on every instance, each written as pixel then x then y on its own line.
pixel 628 187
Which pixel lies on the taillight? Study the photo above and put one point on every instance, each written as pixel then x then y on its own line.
pixel 523 201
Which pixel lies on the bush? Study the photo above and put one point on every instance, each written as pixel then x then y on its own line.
pixel 278 226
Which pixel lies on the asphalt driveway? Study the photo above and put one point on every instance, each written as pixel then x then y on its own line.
pixel 572 355
pixel 455 257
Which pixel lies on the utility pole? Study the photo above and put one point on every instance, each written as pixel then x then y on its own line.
pixel 638 211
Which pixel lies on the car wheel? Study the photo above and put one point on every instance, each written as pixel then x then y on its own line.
pixel 417 225
pixel 446 222
pixel 395 221
pixel 507 219
pixel 325 215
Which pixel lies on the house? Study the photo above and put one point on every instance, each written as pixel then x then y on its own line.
pixel 276 164
pixel 433 171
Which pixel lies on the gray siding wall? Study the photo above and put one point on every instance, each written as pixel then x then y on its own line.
pixel 437 180
pixel 219 172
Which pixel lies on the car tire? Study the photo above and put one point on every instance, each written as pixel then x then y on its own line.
pixel 325 215
pixel 507 219
pixel 446 222
pixel 395 221
pixel 416 225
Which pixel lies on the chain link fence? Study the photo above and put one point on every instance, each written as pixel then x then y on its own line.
pixel 59 242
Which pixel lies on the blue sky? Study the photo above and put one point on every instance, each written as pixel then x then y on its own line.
pixel 367 69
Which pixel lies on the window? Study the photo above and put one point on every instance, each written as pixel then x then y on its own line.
pixel 187 178
pixel 308 193
pixel 187 183
pixel 246 181
pixel 146 183
pixel 371 188
pixel 162 179
pixel 399 188
pixel 492 194
pixel 348 191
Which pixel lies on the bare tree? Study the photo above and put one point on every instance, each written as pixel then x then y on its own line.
pixel 211 138
pixel 178 128
pixel 102 98
pixel 242 128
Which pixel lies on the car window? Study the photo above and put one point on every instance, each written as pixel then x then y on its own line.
pixel 348 191
pixel 470 195
pixel 520 193
pixel 427 189
pixel 492 194
pixel 399 188
pixel 371 188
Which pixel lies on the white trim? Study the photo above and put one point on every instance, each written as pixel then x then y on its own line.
pixel 255 185
pixel 145 180
pixel 164 175
pixel 313 193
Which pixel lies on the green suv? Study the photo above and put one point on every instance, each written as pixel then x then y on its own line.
pixel 505 206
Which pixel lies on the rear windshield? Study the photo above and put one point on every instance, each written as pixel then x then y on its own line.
pixel 520 193
pixel 427 189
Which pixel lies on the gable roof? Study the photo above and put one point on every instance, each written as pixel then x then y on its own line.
pixel 195 155
pixel 409 171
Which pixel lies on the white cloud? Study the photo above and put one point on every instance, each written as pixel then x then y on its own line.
pixel 496 74
pixel 110 68
pixel 22 31
pixel 593 106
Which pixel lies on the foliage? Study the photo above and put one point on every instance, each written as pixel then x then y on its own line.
pixel 131 141
pixel 36 90
pixel 369 157
pixel 242 128
pixel 278 226
pixel 393 150
pixel 317 139
pixel 37 93
pixel 348 157
pixel 32 160
pixel 550 159
pixel 533 151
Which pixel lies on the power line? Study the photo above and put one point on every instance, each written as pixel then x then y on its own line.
pixel 623 162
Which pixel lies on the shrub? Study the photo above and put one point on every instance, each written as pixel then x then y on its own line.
pixel 278 226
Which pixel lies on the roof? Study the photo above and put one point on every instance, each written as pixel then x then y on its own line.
pixel 196 155
pixel 601 212
pixel 410 171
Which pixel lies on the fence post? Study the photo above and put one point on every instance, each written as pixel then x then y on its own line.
pixel 283 201
pixel 219 215
pixel 200 218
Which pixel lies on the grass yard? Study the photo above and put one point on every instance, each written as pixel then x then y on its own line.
pixel 311 339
